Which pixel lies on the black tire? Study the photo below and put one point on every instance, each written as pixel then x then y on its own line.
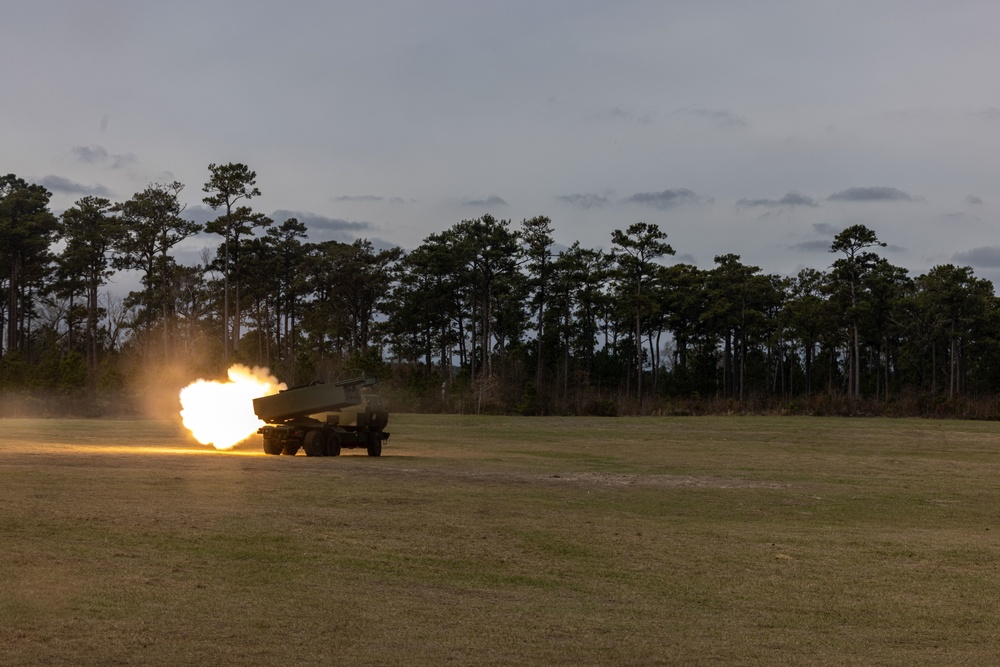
pixel 291 448
pixel 272 446
pixel 314 443
pixel 374 444
pixel 332 445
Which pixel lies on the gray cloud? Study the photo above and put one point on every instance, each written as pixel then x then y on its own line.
pixel 359 198
pixel 630 116
pixel 664 200
pixel 827 229
pixel 65 186
pixel 322 227
pixel 201 214
pixel 973 200
pixel 90 154
pixel 791 199
pixel 585 200
pixel 492 200
pixel 100 155
pixel 811 246
pixel 984 256
pixel 872 194
pixel 721 117
pixel 991 113
pixel 369 199
pixel 123 160
pixel 382 244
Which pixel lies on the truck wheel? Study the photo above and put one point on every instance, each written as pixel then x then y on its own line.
pixel 272 446
pixel 314 443
pixel 374 444
pixel 332 445
pixel 291 448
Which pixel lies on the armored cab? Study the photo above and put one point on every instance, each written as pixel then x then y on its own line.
pixel 323 418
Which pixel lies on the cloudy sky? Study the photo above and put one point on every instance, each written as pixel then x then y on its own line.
pixel 757 128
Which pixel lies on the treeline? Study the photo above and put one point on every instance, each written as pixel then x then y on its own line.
pixel 483 316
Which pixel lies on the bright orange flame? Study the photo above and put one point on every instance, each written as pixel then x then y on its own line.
pixel 221 413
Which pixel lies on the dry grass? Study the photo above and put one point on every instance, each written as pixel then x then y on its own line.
pixel 505 541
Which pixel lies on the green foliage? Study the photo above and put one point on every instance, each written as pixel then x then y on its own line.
pixel 72 372
pixel 528 405
pixel 227 186
pixel 14 371
pixel 368 363
pixel 27 228
pixel 480 316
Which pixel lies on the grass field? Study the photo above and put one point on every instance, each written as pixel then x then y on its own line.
pixel 489 540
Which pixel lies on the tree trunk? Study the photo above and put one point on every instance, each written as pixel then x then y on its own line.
pixel 12 319
pixel 225 293
pixel 856 370
pixel 638 355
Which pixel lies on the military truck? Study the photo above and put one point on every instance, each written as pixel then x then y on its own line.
pixel 323 418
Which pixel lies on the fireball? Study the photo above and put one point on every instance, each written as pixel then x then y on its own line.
pixel 221 413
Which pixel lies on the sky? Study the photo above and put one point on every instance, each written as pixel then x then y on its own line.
pixel 756 128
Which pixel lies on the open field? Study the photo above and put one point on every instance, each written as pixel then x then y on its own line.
pixel 489 540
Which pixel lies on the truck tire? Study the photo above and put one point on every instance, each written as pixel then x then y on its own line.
pixel 314 443
pixel 332 444
pixel 291 448
pixel 272 446
pixel 374 444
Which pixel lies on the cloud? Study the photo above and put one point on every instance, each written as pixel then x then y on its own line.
pixel 369 199
pixel 492 200
pixel 664 200
pixel 827 229
pixel 320 227
pixel 872 194
pixel 361 198
pixel 630 116
pixel 381 244
pixel 791 199
pixel 585 200
pixel 63 185
pixel 123 160
pixel 819 245
pixel 90 154
pixel 324 227
pixel 100 155
pixel 984 257
pixel 201 214
pixel 990 113
pixel 811 246
pixel 722 117
pixel 973 200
